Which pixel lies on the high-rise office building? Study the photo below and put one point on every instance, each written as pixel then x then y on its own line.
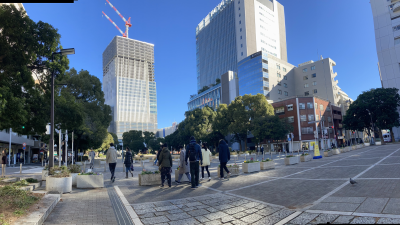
pixel 386 15
pixel 129 85
pixel 234 30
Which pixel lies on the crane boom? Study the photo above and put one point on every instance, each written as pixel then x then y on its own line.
pixel 123 34
pixel 116 11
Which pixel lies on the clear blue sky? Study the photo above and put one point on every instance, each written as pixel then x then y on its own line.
pixel 339 29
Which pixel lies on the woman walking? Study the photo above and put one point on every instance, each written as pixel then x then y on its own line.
pixel 128 161
pixel 165 162
pixel 206 153
pixel 3 163
pixel 183 168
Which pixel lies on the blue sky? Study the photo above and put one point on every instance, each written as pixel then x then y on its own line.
pixel 339 29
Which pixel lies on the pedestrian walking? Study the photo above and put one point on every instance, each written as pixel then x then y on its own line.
pixel 158 155
pixel 111 159
pixel 206 154
pixel 184 169
pixel 194 155
pixel 3 163
pixel 262 150
pixel 128 161
pixel 92 154
pixel 165 161
pixel 224 157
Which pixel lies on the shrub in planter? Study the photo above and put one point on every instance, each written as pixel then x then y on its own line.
pixel 149 178
pixel 249 166
pixel 335 151
pixel 234 169
pixel 90 180
pixel 74 170
pixel 305 157
pixel 59 179
pixel 267 164
pixel 291 159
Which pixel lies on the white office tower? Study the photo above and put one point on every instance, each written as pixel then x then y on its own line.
pixel 234 30
pixel 386 14
pixel 129 85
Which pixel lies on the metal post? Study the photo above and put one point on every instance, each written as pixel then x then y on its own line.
pixel 59 149
pixel 66 147
pixel 20 168
pixel 9 150
pixel 51 142
pixel 72 148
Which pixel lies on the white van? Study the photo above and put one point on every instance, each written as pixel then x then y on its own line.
pixel 387 137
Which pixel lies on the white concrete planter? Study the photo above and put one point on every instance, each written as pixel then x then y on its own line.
pixel 353 147
pixel 343 150
pixel 62 184
pixel 79 163
pixel 378 143
pixel 90 181
pixel 45 173
pixel 234 170
pixel 150 179
pixel 267 165
pixel 328 154
pixel 102 162
pixel 74 175
pixel 360 146
pixel 335 151
pixel 146 160
pixel 184 177
pixel 366 144
pixel 348 149
pixel 251 167
pixel 292 160
pixel 306 158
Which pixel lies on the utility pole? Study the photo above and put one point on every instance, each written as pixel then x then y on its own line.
pixel 9 149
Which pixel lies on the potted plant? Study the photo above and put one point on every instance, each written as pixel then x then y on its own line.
pixel 251 165
pixel 335 151
pixel 305 157
pixel 59 180
pixel 328 153
pixel 234 169
pixel 184 178
pixel 45 172
pixel 267 164
pixel 291 159
pixel 74 170
pixel 149 178
pixel 90 180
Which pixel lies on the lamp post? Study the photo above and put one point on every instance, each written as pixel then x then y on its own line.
pixel 68 51
pixel 373 130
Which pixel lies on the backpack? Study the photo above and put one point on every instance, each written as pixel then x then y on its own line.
pixel 192 153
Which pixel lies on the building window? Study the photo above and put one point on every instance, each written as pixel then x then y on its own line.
pixel 280 110
pixel 307 130
pixel 279 83
pixel 280 92
pixel 305 78
pixel 310 117
pixel 285 85
pixel 290 107
pixel 285 77
pixel 240 22
pixel 284 69
pixel 315 91
pixel 240 29
pixel 304 70
pixel 286 93
pixel 302 106
pixel 305 85
pixel 313 68
pixel 278 67
pixel 303 118
pixel 321 107
pixel 291 119
pixel 241 45
pixel 316 117
pixel 239 8
pixel 314 83
pixel 314 75
pixel 240 37
pixel 329 119
pixel 279 75
pixel 242 53
pixel 397 41
pixel 309 105
pixel 307 93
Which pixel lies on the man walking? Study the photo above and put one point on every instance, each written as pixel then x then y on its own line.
pixel 224 157
pixel 193 153
pixel 92 154
pixel 165 162
pixel 111 159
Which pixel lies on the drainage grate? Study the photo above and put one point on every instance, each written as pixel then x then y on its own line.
pixel 121 214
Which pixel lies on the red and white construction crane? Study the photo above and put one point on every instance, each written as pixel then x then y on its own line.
pixel 127 22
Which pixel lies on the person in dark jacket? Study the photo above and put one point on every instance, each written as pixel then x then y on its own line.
pixel 158 155
pixel 128 160
pixel 224 157
pixel 165 161
pixel 194 164
pixel 3 164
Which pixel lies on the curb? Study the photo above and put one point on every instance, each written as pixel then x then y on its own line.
pixel 38 217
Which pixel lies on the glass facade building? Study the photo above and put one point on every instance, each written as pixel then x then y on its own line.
pixel 210 97
pixel 216 44
pixel 253 74
pixel 129 85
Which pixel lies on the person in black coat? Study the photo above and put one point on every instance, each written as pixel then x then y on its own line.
pixel 128 161
pixel 224 157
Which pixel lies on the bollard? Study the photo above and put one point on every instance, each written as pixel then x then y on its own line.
pixel 84 167
pixel 20 168
pixel 42 163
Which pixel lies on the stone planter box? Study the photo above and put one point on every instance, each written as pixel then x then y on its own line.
pixel 343 150
pixel 335 151
pixel 90 181
pixel 150 179
pixel 306 158
pixel 62 184
pixel 378 143
pixel 79 163
pixel 184 177
pixel 146 160
pixel 347 149
pixel 45 173
pixel 234 170
pixel 360 146
pixel 267 165
pixel 292 160
pixel 74 175
pixel 328 154
pixel 353 147
pixel 366 144
pixel 251 167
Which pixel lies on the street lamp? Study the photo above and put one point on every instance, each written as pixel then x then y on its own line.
pixel 373 130
pixel 67 51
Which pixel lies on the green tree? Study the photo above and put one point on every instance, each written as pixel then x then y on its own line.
pixel 198 122
pixel 148 136
pixel 136 146
pixel 116 142
pixel 106 143
pixel 133 135
pixel 154 144
pixel 239 118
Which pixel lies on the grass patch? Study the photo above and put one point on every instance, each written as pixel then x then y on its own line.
pixel 31 180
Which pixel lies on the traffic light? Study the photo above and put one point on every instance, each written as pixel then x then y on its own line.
pixel 331 127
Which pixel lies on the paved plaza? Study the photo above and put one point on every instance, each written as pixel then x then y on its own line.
pixel 307 193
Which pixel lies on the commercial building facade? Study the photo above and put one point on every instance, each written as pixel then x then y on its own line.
pixel 386 16
pixel 129 85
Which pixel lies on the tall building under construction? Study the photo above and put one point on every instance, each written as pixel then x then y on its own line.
pixel 129 85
